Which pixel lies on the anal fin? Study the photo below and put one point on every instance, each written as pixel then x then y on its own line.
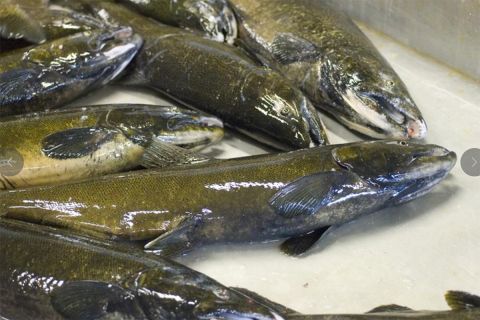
pixel 296 246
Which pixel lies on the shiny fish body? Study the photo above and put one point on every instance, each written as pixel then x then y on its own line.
pixel 51 74
pixel 221 80
pixel 76 143
pixel 37 23
pixel 325 53
pixel 47 274
pixel 212 17
pixel 240 200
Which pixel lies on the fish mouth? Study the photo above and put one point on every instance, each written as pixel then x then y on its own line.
pixel 217 20
pixel 315 126
pixel 380 117
pixel 430 170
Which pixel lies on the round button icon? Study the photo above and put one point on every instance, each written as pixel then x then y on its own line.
pixel 11 162
pixel 471 162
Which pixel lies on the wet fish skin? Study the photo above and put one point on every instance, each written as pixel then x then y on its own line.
pixel 51 274
pixel 239 200
pixel 76 143
pixel 51 74
pixel 16 23
pixel 464 306
pixel 325 53
pixel 220 80
pixel 212 17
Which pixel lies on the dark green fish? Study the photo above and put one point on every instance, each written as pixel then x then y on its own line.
pixel 213 17
pixel 51 74
pixel 16 23
pixel 48 274
pixel 464 306
pixel 76 143
pixel 221 80
pixel 300 194
pixel 325 53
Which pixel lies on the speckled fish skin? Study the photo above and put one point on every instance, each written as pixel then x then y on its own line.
pixel 240 200
pixel 16 23
pixel 325 53
pixel 41 268
pixel 212 17
pixel 416 315
pixel 51 74
pixel 221 80
pixel 76 143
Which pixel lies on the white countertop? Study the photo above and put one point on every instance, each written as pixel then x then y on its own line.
pixel 408 255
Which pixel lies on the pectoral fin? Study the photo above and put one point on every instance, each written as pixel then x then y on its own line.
pixel 175 241
pixel 288 48
pixel 75 143
pixel 160 154
pixel 84 300
pixel 389 308
pixel 15 23
pixel 459 300
pixel 308 195
pixel 296 246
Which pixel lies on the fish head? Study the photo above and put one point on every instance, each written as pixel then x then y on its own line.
pixel 95 56
pixel 407 170
pixel 214 17
pixel 289 117
pixel 373 100
pixel 181 127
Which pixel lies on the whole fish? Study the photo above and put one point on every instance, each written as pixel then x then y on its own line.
pixel 464 306
pixel 75 143
pixel 221 80
pixel 51 74
pixel 323 52
pixel 300 195
pixel 47 274
pixel 213 17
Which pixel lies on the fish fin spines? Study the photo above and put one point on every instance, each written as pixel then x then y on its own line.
pixel 161 154
pixel 309 194
pixel 296 246
pixel 288 48
pixel 459 300
pixel 75 143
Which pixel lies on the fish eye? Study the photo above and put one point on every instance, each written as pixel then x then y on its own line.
pixel 403 143
pixel 285 112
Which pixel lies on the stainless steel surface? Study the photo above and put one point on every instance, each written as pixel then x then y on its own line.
pixel 448 30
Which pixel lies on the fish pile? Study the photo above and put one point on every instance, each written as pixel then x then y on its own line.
pixel 95 200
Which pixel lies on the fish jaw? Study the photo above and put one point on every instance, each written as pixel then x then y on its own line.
pixel 379 118
pixel 215 18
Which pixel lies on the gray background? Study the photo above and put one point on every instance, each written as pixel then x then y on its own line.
pixel 448 30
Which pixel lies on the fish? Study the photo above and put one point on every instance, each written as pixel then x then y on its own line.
pixel 297 195
pixel 220 80
pixel 324 53
pixel 52 74
pixel 464 306
pixel 214 18
pixel 71 144
pixel 50 274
